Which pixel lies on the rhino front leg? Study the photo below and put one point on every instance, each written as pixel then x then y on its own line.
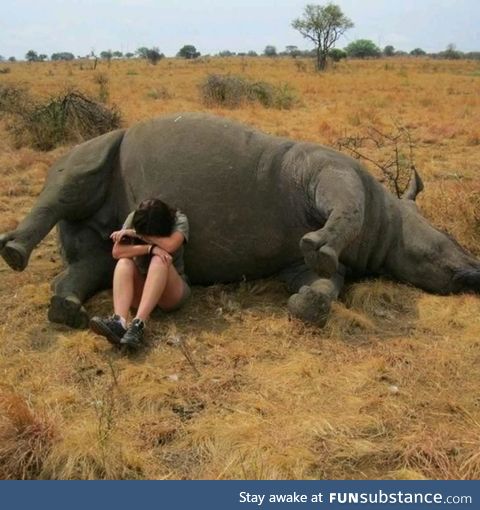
pixel 312 295
pixel 16 246
pixel 75 285
pixel 89 269
pixel 339 196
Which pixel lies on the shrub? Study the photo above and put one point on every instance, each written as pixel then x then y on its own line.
pixel 223 90
pixel 101 79
pixel 26 439
pixel 232 91
pixel 262 92
pixel 68 117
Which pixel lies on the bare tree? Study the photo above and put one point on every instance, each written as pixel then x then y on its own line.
pixel 324 25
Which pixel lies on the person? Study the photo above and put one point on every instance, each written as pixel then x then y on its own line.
pixel 150 270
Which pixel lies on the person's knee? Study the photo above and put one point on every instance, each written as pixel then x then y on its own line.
pixel 158 261
pixel 125 265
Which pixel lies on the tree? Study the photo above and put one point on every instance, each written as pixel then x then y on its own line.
pixel 291 50
pixel 153 55
pixel 226 53
pixel 252 53
pixel 42 57
pixel 451 52
pixel 389 51
pixel 188 51
pixel 363 48
pixel 336 54
pixel 117 54
pixel 129 54
pixel 142 52
pixel 106 55
pixel 418 52
pixel 323 25
pixel 31 56
pixel 12 59
pixel 270 51
pixel 63 55
pixel 2 58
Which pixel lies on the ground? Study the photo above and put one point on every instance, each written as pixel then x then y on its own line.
pixel 388 389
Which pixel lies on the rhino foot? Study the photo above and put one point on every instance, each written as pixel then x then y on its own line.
pixel 68 310
pixel 323 261
pixel 310 306
pixel 15 255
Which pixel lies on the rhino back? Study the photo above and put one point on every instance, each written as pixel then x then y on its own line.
pixel 228 179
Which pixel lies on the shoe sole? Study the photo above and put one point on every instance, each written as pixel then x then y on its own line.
pixel 102 330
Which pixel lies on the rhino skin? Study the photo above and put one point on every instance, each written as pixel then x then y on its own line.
pixel 258 205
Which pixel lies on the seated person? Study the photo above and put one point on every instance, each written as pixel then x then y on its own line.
pixel 149 271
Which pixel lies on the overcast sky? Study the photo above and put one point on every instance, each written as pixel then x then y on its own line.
pixel 214 25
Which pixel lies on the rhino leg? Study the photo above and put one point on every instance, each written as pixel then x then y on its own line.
pixel 89 269
pixel 339 197
pixel 312 295
pixel 76 187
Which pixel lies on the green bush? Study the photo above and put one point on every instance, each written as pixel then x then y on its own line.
pixel 363 48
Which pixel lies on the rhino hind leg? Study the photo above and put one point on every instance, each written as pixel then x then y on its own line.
pixel 341 199
pixel 312 295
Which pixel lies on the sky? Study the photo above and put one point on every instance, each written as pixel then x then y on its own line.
pixel 80 26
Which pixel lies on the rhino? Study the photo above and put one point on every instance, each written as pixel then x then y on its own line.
pixel 258 206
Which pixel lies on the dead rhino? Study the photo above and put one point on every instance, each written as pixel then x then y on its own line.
pixel 258 206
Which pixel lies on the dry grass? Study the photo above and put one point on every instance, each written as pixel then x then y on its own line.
pixel 389 389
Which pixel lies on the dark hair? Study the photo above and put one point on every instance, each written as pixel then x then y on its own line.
pixel 153 217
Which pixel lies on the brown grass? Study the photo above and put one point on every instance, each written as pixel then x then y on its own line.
pixel 388 389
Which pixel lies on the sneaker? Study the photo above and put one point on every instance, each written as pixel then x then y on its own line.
pixel 110 327
pixel 133 338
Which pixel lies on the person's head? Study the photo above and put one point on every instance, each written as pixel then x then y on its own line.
pixel 153 217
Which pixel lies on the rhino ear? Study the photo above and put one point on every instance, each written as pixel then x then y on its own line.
pixel 415 186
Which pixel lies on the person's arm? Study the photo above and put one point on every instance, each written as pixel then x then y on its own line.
pixel 170 244
pixel 128 251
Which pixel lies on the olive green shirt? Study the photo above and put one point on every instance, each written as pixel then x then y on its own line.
pixel 180 225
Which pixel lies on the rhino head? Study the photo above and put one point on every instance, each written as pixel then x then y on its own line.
pixel 427 257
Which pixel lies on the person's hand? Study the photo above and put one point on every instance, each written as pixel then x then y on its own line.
pixel 124 232
pixel 164 255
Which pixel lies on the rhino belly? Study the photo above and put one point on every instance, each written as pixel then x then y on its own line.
pixel 211 172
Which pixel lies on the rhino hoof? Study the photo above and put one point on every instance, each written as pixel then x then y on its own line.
pixel 68 310
pixel 15 255
pixel 310 306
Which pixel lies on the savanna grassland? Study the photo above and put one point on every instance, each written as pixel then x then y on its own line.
pixel 388 389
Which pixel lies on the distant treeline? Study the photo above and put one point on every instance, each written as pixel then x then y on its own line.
pixel 361 48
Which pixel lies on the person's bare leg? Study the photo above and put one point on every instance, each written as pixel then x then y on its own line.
pixel 175 293
pixel 154 287
pixel 126 272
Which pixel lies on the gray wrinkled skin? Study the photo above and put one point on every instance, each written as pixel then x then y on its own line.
pixel 258 205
